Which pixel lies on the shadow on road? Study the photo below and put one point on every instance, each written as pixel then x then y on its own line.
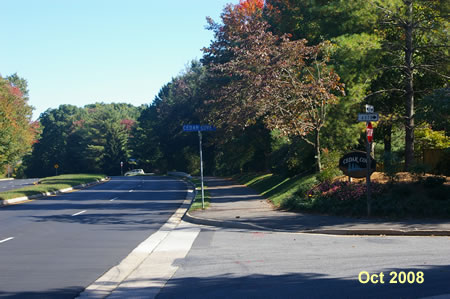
pixel 69 293
pixel 306 285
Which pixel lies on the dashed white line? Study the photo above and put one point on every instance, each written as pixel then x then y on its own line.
pixel 79 213
pixel 131 191
pixel 6 240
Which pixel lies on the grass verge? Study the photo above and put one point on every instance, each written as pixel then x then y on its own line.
pixel 51 184
pixel 278 189
pixel 426 199
pixel 197 204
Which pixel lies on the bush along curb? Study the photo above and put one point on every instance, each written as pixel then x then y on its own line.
pixel 18 200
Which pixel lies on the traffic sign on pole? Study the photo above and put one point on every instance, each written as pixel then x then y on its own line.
pixel 369 109
pixel 369 130
pixel 368 117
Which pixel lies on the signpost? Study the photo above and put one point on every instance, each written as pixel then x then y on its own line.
pixel 56 168
pixel 200 129
pixel 369 116
pixel 121 168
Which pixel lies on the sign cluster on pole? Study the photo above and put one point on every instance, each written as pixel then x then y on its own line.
pixel 369 116
pixel 360 164
pixel 200 129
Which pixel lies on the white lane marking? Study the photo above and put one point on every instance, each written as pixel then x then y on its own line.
pixel 6 240
pixel 113 199
pixel 131 191
pixel 79 213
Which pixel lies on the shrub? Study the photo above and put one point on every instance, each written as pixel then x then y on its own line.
pixel 439 193
pixel 330 163
pixel 344 190
pixel 402 190
pixel 393 167
pixel 433 181
pixel 418 170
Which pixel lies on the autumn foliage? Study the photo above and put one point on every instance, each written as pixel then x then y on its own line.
pixel 286 83
pixel 249 7
pixel 17 131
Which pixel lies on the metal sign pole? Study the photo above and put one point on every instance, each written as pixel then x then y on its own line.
pixel 369 163
pixel 368 116
pixel 201 168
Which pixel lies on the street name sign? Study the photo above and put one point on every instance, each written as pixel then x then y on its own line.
pixel 194 128
pixel 368 117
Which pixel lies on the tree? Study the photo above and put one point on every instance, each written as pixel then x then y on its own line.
pixel 415 29
pixel 17 131
pixel 287 83
pixel 51 148
pixel 90 139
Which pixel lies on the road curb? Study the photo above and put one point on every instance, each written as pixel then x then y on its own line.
pixel 341 232
pixel 223 223
pixel 111 280
pixel 23 199
pixel 9 179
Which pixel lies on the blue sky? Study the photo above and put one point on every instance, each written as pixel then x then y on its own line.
pixel 84 51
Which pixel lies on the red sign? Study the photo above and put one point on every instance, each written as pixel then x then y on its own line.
pixel 369 131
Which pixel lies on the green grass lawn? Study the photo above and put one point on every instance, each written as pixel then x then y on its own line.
pixel 197 204
pixel 278 189
pixel 394 201
pixel 53 183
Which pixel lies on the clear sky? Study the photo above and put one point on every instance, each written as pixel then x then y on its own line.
pixel 84 51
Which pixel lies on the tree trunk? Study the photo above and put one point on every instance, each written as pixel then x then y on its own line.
pixel 317 148
pixel 409 119
pixel 387 138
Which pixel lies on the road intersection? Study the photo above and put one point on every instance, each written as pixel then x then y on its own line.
pixel 126 239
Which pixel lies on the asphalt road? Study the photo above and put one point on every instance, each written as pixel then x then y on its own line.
pixel 16 184
pixel 227 263
pixel 55 247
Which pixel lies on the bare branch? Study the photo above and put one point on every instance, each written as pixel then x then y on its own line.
pixel 384 91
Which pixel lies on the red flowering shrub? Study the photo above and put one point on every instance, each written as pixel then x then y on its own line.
pixel 344 190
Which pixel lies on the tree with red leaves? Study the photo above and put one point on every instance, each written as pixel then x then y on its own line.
pixel 286 83
pixel 249 7
pixel 17 131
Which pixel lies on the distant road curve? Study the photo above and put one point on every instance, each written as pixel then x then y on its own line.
pixel 15 184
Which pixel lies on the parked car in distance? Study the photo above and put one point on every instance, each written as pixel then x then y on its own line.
pixel 135 172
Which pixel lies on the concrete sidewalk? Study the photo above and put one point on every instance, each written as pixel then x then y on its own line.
pixel 237 206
